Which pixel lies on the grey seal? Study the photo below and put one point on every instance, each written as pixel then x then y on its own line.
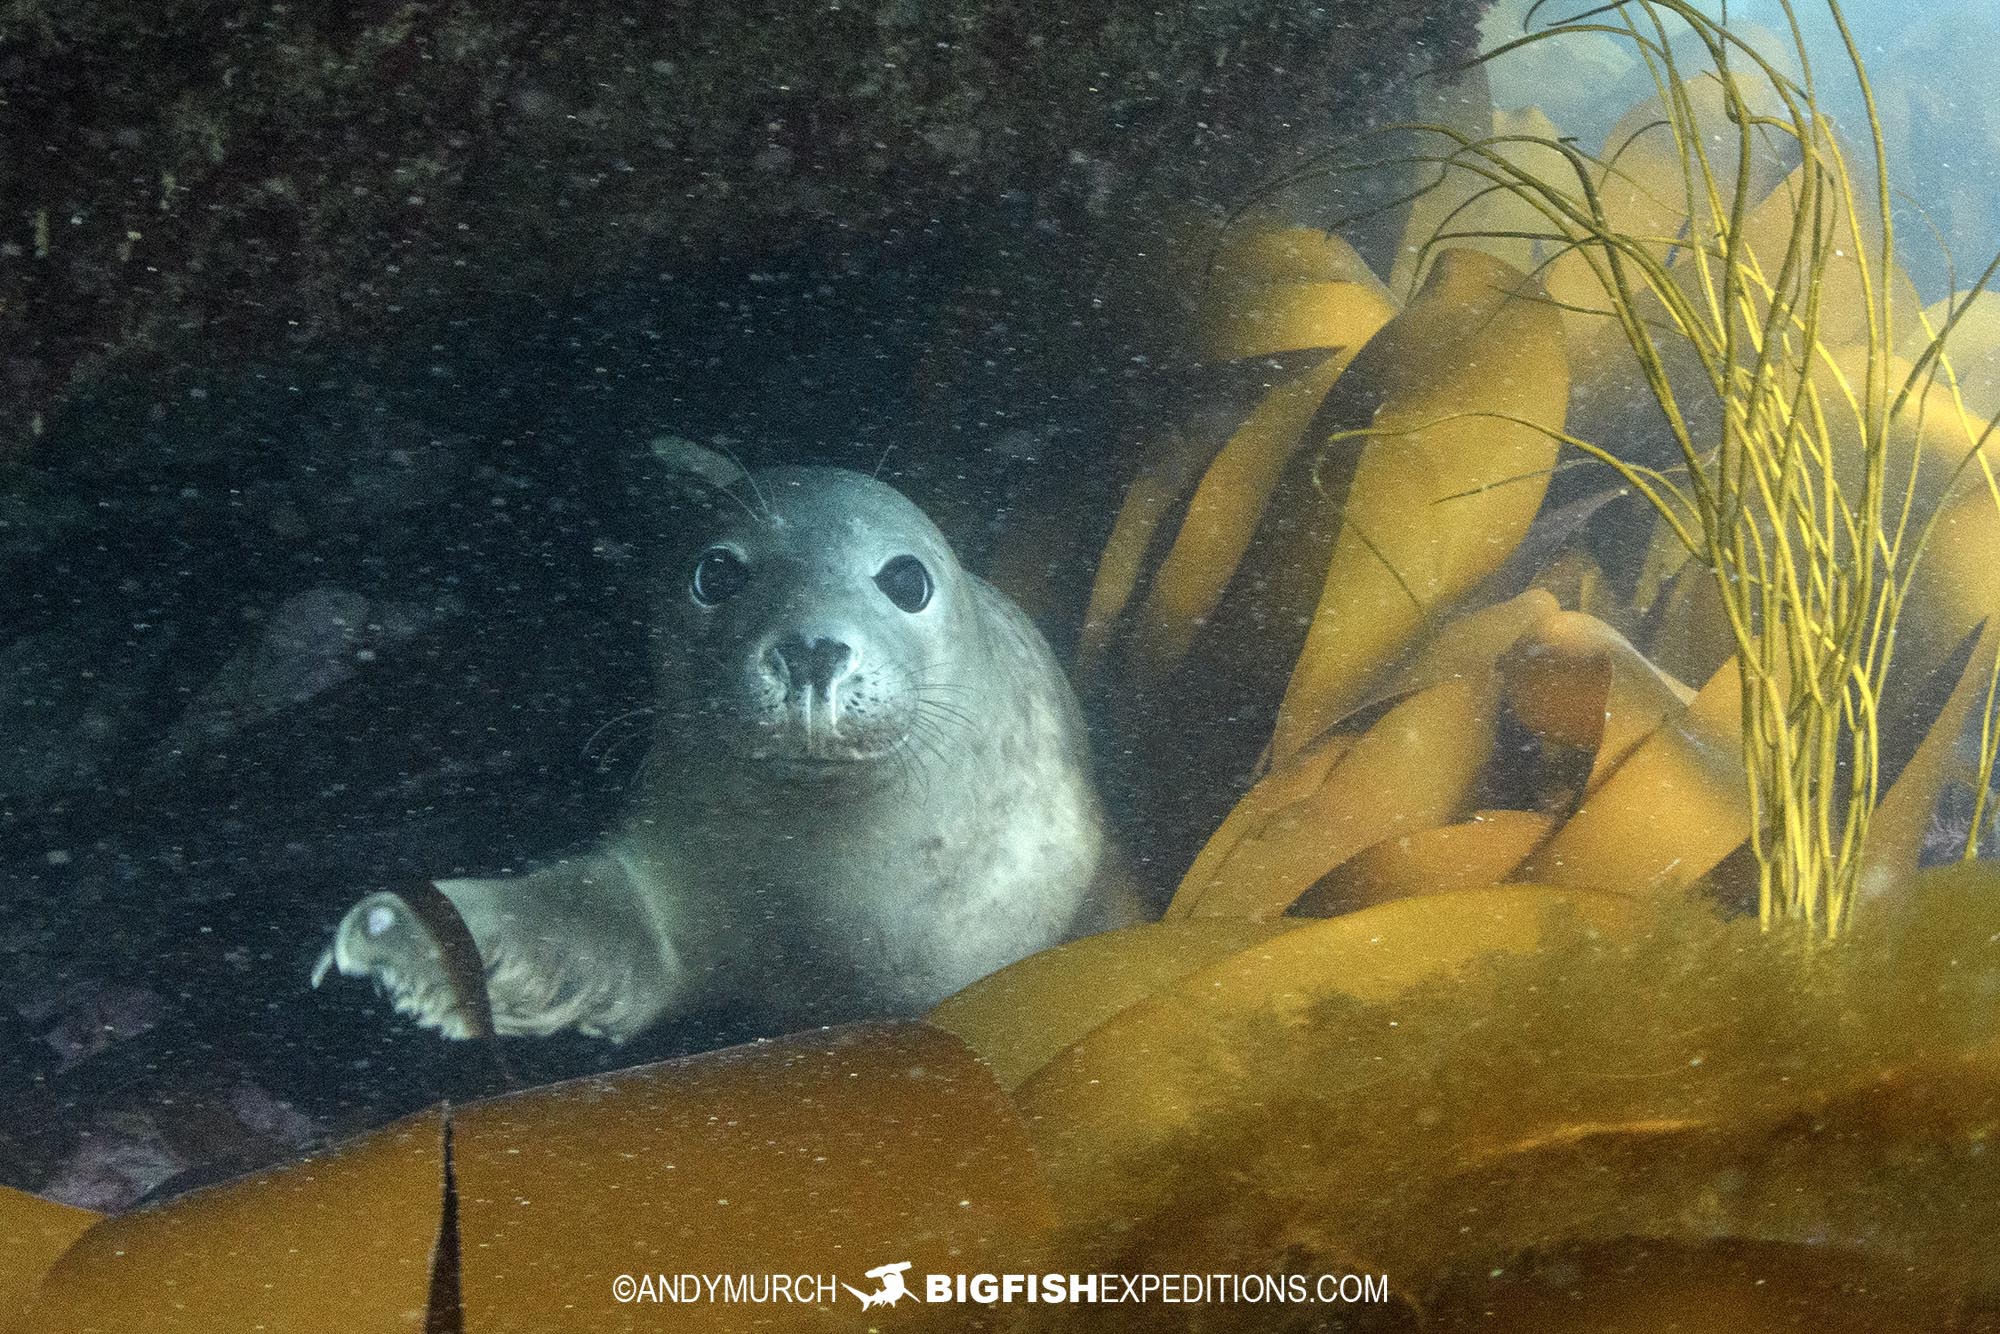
pixel 869 787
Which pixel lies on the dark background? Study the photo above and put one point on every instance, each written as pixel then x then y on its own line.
pixel 380 311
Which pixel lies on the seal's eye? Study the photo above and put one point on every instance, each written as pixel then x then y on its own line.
pixel 906 582
pixel 719 574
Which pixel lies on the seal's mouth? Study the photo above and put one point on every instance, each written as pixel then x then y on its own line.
pixel 822 734
pixel 816 753
pixel 815 764
pixel 807 770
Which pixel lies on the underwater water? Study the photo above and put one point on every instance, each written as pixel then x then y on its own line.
pixel 1398 676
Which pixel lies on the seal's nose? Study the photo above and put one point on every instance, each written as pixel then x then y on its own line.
pixel 814 665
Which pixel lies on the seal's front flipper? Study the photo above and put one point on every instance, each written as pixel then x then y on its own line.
pixel 385 938
pixel 566 947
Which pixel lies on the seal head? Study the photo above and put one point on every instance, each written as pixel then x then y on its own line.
pixel 810 637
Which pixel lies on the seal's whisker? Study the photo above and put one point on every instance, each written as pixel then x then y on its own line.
pixel 629 714
pixel 919 673
pixel 611 753
pixel 748 478
pixel 939 712
pixel 920 730
pixel 645 767
pixel 932 716
pixel 928 686
pixel 934 739
pixel 930 697
pixel 910 764
pixel 927 695
pixel 744 505
pixel 916 776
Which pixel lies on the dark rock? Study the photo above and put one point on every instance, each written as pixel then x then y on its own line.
pixel 69 699
pixel 220 178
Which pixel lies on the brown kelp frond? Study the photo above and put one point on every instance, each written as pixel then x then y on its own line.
pixel 1446 1087
pixel 1805 536
pixel 1453 392
pixel 1573 1075
pixel 1718 283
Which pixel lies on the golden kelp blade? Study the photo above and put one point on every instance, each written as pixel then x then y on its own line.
pixel 1287 317
pixel 1273 794
pixel 1644 175
pixel 1575 681
pixel 33 1233
pixel 1482 851
pixel 1956 582
pixel 1444 486
pixel 1611 1072
pixel 1168 475
pixel 1843 301
pixel 1644 193
pixel 1942 924
pixel 1260 253
pixel 1408 772
pixel 1973 347
pixel 1896 833
pixel 1931 433
pixel 1467 644
pixel 343 1240
pixel 828 1152
pixel 1465 209
pixel 1668 812
pixel 1280 288
pixel 1223 515
pixel 1576 581
pixel 1273 289
pixel 1644 180
pixel 1461 103
pixel 1639 1285
pixel 1019 1017
pixel 1690 633
pixel 1949 464
pixel 1137 1081
pixel 1465 647
pixel 1853 1162
pixel 1666 556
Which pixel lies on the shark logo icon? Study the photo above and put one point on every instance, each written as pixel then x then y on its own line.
pixel 892 1289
